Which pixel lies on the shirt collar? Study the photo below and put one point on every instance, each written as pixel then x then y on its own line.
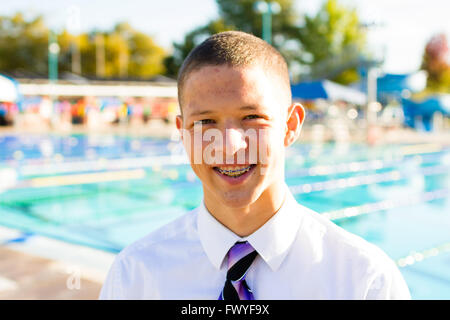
pixel 272 241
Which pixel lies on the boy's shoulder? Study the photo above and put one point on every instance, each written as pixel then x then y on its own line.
pixel 179 231
pixel 339 242
pixel 360 268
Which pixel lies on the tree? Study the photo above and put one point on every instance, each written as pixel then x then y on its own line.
pixel 285 25
pixel 128 52
pixel 65 42
pixel 332 41
pixel 191 40
pixel 436 61
pixel 327 45
pixel 146 57
pixel 237 15
pixel 242 16
pixel 23 44
pixel 131 53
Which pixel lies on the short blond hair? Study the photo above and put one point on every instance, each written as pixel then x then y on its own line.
pixel 234 49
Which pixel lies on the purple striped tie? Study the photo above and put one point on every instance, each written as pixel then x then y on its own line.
pixel 240 257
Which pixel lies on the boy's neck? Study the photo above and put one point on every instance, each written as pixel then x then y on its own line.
pixel 246 220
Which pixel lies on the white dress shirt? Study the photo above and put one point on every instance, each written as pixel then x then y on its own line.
pixel 302 255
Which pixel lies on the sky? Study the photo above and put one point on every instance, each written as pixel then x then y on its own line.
pixel 402 26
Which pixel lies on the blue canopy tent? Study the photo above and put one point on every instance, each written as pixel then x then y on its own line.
pixel 393 86
pixel 425 109
pixel 328 90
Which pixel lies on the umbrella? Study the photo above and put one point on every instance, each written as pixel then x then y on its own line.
pixel 8 90
pixel 328 90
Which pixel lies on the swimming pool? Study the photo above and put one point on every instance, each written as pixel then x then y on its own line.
pixel 105 191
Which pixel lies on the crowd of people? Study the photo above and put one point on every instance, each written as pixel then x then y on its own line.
pixel 88 110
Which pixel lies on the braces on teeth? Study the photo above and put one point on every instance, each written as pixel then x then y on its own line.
pixel 234 172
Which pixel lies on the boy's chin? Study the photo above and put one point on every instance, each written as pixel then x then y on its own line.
pixel 238 199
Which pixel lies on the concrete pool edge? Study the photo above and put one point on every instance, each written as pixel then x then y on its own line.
pixel 76 260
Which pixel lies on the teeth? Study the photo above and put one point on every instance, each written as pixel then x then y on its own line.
pixel 234 171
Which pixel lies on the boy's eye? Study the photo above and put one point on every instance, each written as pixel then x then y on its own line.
pixel 253 116
pixel 204 121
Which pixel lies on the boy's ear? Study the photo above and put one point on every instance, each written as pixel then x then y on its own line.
pixel 179 124
pixel 296 116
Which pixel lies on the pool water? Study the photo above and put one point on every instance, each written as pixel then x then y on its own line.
pixel 106 191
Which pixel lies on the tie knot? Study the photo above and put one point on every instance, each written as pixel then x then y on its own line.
pixel 240 257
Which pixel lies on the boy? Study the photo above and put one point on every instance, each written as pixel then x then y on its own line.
pixel 249 238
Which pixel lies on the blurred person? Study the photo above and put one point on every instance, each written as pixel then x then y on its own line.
pixel 46 110
pixel 66 117
pixel 374 134
pixel 3 115
pixel 249 238
pixel 78 111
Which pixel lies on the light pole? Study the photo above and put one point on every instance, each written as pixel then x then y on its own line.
pixel 73 25
pixel 371 66
pixel 267 9
pixel 53 51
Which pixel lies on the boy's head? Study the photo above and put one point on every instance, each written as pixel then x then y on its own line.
pixel 234 91
pixel 235 49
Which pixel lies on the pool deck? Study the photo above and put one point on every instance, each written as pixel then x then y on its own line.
pixel 40 268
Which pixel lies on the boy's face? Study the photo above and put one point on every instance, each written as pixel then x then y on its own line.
pixel 234 128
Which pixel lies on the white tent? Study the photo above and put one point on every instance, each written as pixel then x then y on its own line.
pixel 8 90
pixel 337 91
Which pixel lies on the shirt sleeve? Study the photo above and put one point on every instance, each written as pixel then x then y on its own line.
pixel 388 285
pixel 112 287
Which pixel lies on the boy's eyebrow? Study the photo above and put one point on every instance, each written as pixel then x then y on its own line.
pixel 255 108
pixel 198 113
pixel 202 112
pixel 249 108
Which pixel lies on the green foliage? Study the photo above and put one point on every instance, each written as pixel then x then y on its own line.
pixel 146 57
pixel 191 40
pixel 23 44
pixel 128 52
pixel 327 45
pixel 242 16
pixel 238 15
pixel 332 42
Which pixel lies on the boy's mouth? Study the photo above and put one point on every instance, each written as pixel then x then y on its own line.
pixel 234 171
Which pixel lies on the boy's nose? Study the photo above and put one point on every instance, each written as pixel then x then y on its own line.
pixel 234 141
